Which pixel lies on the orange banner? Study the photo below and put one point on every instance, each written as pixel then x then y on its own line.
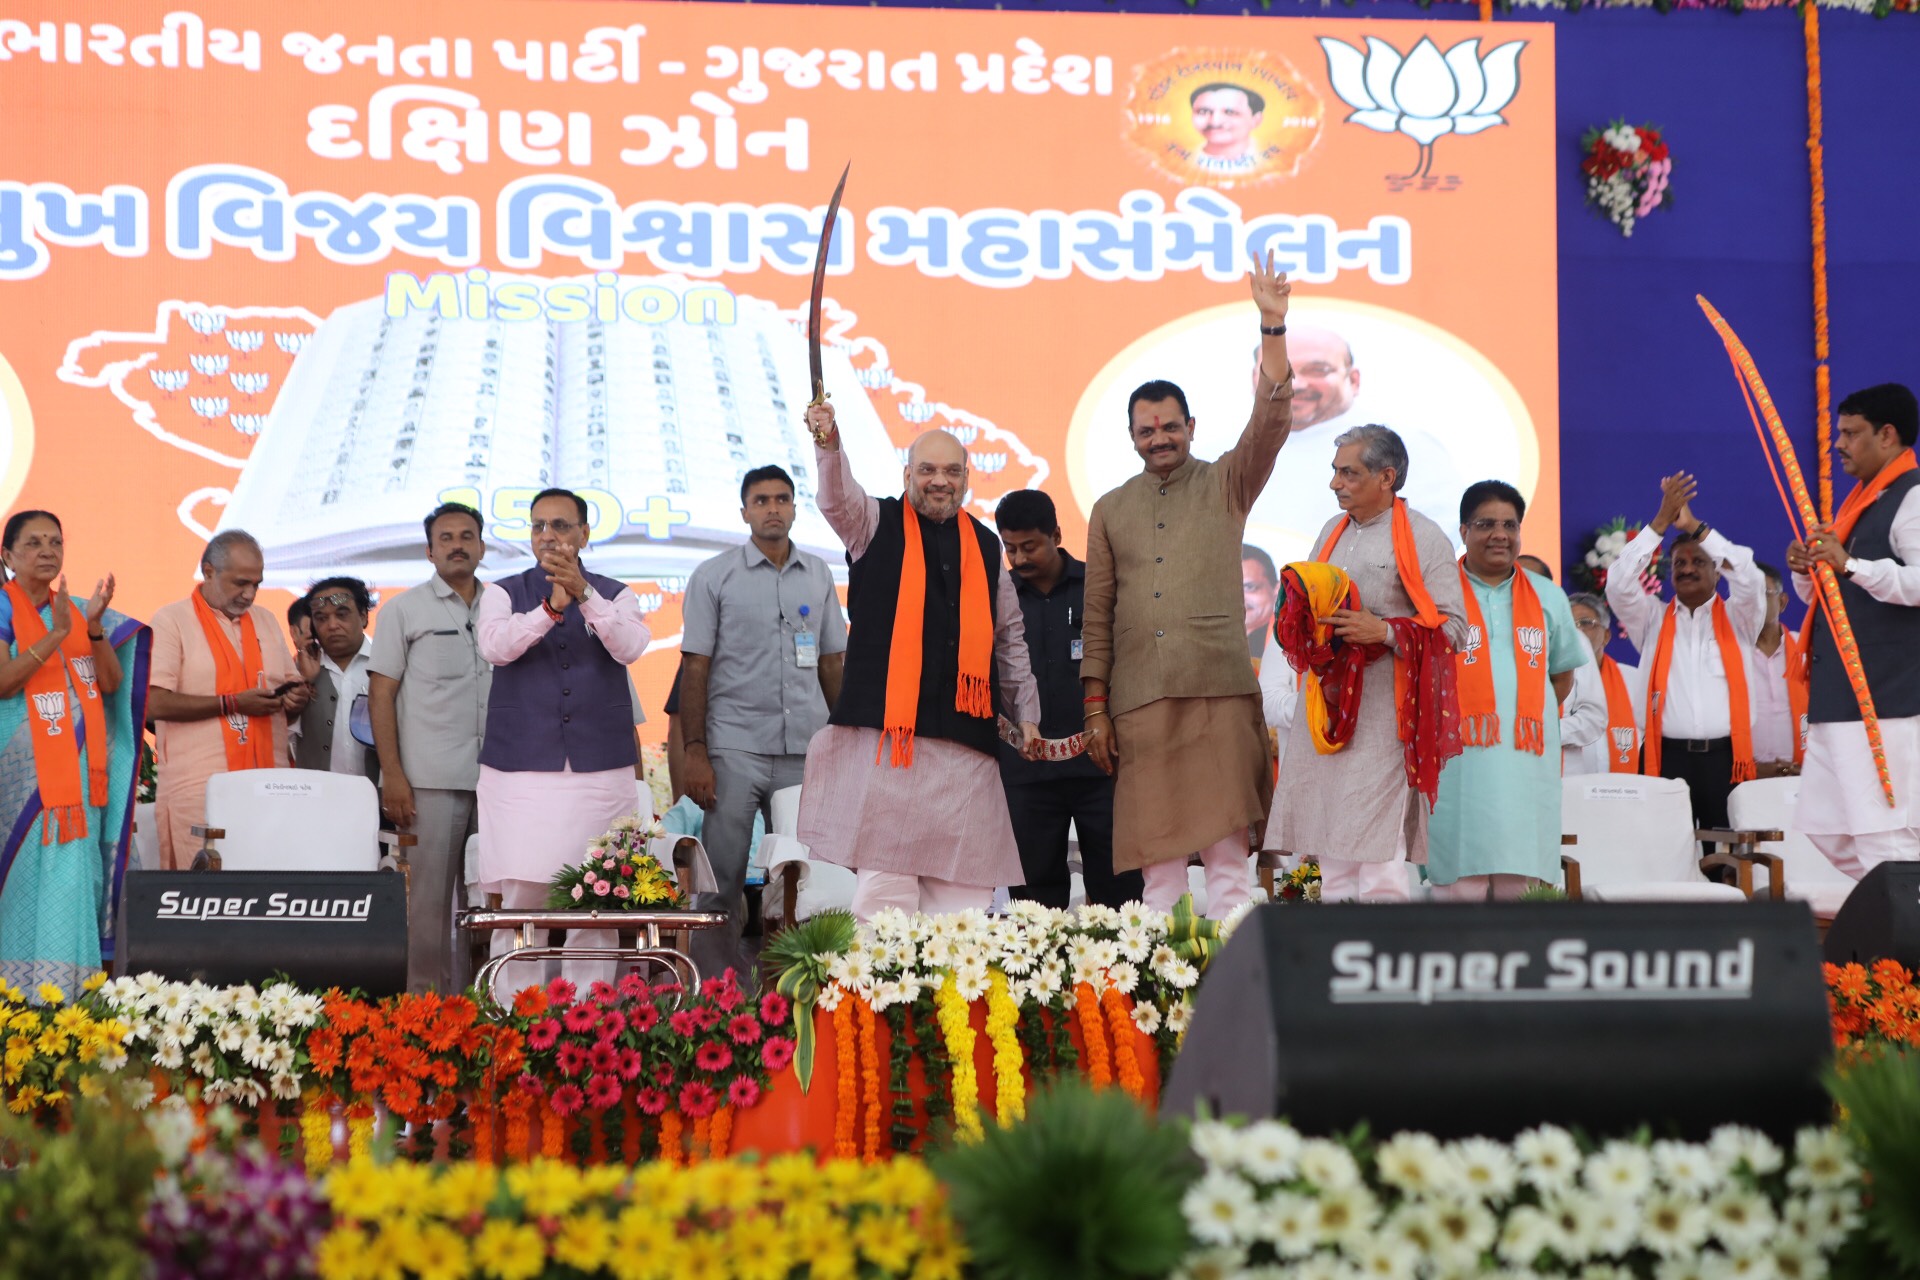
pixel 310 269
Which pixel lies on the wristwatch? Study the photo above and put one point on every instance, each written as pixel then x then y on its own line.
pixel 586 590
pixel 1850 567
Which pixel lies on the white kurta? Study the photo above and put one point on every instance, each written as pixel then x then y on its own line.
pixel 1839 785
pixel 1583 723
pixel 1772 712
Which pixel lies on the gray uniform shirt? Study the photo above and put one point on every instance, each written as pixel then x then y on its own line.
pixel 744 614
pixel 426 641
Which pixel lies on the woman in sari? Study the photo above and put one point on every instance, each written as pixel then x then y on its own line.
pixel 73 691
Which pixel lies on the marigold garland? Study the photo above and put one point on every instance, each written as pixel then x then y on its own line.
pixel 670 1132
pixel 1817 172
pixel 518 1107
pixel 481 1111
pixel 360 1131
pixel 1009 1056
pixel 869 1080
pixel 720 1133
pixel 702 1137
pixel 956 1028
pixel 316 1131
pixel 1093 1034
pixel 1126 1062
pixel 846 1083
pixel 553 1133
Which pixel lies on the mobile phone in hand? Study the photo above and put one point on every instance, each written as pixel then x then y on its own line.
pixel 286 688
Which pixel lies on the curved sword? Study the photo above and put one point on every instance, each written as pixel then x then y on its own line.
pixel 819 285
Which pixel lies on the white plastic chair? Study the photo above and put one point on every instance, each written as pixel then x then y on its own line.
pixel 1768 804
pixel 798 888
pixel 1636 841
pixel 295 820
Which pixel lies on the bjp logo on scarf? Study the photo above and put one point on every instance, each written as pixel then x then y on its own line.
pixel 1533 643
pixel 83 672
pixel 1623 743
pixel 238 723
pixel 52 708
pixel 1476 641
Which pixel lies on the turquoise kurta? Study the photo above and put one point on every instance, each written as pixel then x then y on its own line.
pixel 1499 808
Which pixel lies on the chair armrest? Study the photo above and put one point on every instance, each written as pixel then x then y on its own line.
pixel 1735 861
pixel 1568 839
pixel 208 833
pixel 1776 873
pixel 1570 869
pixel 1738 839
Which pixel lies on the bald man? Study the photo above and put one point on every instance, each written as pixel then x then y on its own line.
pixel 903 785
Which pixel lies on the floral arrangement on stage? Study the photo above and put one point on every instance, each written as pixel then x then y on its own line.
pixel 617 874
pixel 1873 1006
pixel 1301 884
pixel 53 1051
pixel 1600 548
pixel 1628 172
pixel 1545 1204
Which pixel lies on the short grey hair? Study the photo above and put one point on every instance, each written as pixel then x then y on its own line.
pixel 1381 447
pixel 1594 603
pixel 221 545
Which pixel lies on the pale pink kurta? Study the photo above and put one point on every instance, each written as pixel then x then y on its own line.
pixel 189 752
pixel 532 824
pixel 946 816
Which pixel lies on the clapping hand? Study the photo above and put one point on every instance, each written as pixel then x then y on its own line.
pixel 97 604
pixel 563 570
pixel 62 612
pixel 1677 493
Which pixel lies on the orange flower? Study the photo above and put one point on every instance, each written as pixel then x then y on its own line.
pixel 1891 973
pixel 870 1078
pixel 1850 984
pixel 530 1002
pixel 846 1078
pixel 1119 1012
pixel 1093 1035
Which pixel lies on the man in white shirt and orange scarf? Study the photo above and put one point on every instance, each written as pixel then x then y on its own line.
pixel 903 785
pixel 1611 742
pixel 1874 548
pixel 1367 746
pixel 1696 651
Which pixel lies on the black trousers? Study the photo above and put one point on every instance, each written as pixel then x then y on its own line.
pixel 1708 774
pixel 1041 812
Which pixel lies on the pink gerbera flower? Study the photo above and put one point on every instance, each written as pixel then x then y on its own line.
pixel 603 1057
pixel 631 1064
pixel 612 1023
pixel 743 1028
pixel 698 1099
pixel 572 1058
pixel 663 1075
pixel 683 1022
pixel 713 1056
pixel 603 994
pixel 542 1034
pixel 603 1092
pixel 651 1101
pixel 566 1099
pixel 579 1018
pixel 530 1084
pixel 560 993
pixel 774 1008
pixel 644 1018
pixel 743 1092
pixel 634 987
pixel 776 1053
pixel 704 1017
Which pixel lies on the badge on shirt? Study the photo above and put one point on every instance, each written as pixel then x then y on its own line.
pixel 806 650
pixel 1074 649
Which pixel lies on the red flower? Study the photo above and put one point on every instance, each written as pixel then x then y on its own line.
pixel 651 1101
pixel 603 994
pixel 566 1099
pixel 713 1056
pixel 612 1023
pixel 663 1075
pixel 774 1009
pixel 743 1092
pixel 603 1057
pixel 631 1064
pixel 634 987
pixel 683 1022
pixel 579 1018
pixel 744 1028
pixel 542 1034
pixel 698 1099
pixel 710 988
pixel 560 992
pixel 643 1018
pixel 667 991
pixel 603 1092
pixel 573 1059
pixel 530 1083
pixel 776 1053
pixel 704 1017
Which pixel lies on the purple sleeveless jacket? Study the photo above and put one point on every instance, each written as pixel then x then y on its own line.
pixel 565 700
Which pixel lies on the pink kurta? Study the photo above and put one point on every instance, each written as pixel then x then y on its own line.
pixel 189 752
pixel 532 824
pixel 944 817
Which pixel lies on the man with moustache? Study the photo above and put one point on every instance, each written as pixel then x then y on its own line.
pixel 1259 593
pixel 902 785
pixel 1697 651
pixel 556 766
pixel 1873 545
pixel 322 738
pixel 1048 795
pixel 762 649
pixel 427 697
pixel 1225 116
pixel 1172 705
pixel 1496 825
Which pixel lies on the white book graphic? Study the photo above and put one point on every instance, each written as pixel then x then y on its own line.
pixel 383 417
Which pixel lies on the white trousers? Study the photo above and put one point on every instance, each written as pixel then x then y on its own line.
pixel 1225 864
pixel 1858 854
pixel 875 891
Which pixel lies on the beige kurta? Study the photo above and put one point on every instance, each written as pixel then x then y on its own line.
pixel 1164 627
pixel 1355 805
pixel 188 752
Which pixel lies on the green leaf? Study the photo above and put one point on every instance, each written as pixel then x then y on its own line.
pixel 1880 1095
pixel 803 1044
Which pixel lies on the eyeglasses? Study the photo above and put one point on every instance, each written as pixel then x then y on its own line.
pixel 332 600
pixel 1488 526
pixel 561 527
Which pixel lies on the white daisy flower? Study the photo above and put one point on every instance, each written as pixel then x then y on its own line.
pixel 1123 977
pixel 1486 1168
pixel 1682 1268
pixel 1234 917
pixel 1619 1171
pixel 1731 1144
pixel 829 998
pixel 281 1056
pixel 1327 1166
pixel 973 967
pixel 1549 1157
pixel 139 1094
pixel 1177 1017
pixel 1572 1218
pixel 1527 1233
pixel 1216 1142
pixel 1181 975
pixel 1146 1017
pixel 229 1036
pixel 1742 1220
pixel 1162 960
pixel 169 1056
pixel 1221 1209
pixel 1673 1224
pixel 255 1052
pixel 1213 1264
pixel 201 1060
pixel 1290 1223
pixel 1796 1259
pixel 1346 1216
pixel 1105 955
pixel 1822 1160
pixel 1269 1151
pixel 1686 1166
pixel 1384 1257
pixel 179 1030
pixel 172 1002
pixel 285 1085
pixel 1463 1230
pixel 1414 1163
pixel 1612 1225
pixel 1823 1219
pixel 150 983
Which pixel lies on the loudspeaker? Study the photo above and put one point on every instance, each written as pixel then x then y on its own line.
pixel 1880 920
pixel 1487 1019
pixel 321 929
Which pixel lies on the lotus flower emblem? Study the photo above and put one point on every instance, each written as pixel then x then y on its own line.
pixel 1426 93
pixel 245 339
pixel 290 342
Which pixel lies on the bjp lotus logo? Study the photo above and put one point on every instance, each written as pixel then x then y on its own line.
pixel 1425 93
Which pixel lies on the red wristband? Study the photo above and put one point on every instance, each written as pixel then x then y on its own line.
pixel 551 612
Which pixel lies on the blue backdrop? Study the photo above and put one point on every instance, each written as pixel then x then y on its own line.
pixel 1645 387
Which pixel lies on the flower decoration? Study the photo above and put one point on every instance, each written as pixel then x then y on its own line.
pixel 1627 171
pixel 617 874
pixel 1425 94
pixel 1872 1005
pixel 1302 884
pixel 54 1049
pixel 1599 549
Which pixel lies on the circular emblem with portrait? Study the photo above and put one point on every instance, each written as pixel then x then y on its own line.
pixel 1222 118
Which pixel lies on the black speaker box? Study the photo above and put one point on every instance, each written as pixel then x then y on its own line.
pixel 322 929
pixel 1487 1019
pixel 1880 920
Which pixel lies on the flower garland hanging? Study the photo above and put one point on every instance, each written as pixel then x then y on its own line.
pixel 1009 1084
pixel 846 1080
pixel 1093 1034
pixel 956 1027
pixel 1627 171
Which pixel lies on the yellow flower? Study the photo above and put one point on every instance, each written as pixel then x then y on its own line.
pixel 888 1240
pixel 463 1190
pixel 90 1086
pixel 902 1184
pixel 703 1258
pixel 509 1251
pixel 391 1250
pixel 360 1189
pixel 725 1184
pixel 663 1186
pixel 942 1257
pixel 341 1255
pixel 547 1188
pixel 441 1254
pixel 835 1259
pixel 812 1231
pixel 51 995
pixel 584 1242
pixel 645 1246
pixel 95 981
pixel 789 1176
pixel 760 1250
pixel 24 1101
pixel 73 1020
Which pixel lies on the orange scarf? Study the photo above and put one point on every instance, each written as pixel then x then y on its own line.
pixel 1799 673
pixel 1479 709
pixel 56 751
pixel 1623 735
pixel 973 694
pixel 249 739
pixel 1737 706
pixel 1797 690
pixel 1406 559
